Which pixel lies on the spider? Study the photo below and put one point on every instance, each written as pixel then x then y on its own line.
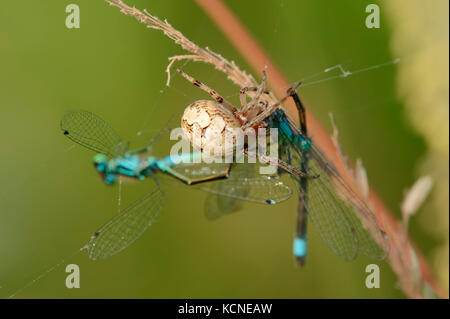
pixel 215 124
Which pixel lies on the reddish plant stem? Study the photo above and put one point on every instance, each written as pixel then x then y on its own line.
pixel 258 59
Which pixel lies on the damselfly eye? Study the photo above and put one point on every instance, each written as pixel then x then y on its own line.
pixel 110 178
pixel 99 159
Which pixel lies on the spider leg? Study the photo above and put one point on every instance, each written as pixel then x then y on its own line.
pixel 259 91
pixel 208 90
pixel 269 110
pixel 281 164
pixel 243 93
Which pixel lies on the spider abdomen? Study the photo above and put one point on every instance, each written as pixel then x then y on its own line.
pixel 210 127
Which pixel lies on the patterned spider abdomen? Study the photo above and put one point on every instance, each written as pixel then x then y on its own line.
pixel 210 128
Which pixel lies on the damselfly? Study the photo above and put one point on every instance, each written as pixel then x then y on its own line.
pixel 237 181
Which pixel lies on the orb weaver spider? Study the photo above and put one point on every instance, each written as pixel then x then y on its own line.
pixel 213 121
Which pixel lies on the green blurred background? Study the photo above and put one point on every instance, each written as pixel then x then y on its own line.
pixel 52 200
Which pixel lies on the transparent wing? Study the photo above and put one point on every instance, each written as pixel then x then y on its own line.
pixel 89 130
pixel 372 240
pixel 244 182
pixel 344 222
pixel 217 206
pixel 201 170
pixel 125 228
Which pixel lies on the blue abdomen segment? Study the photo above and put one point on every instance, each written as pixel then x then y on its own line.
pixel 300 247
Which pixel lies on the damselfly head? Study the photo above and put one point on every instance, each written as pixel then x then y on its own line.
pixel 100 162
pixel 101 165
